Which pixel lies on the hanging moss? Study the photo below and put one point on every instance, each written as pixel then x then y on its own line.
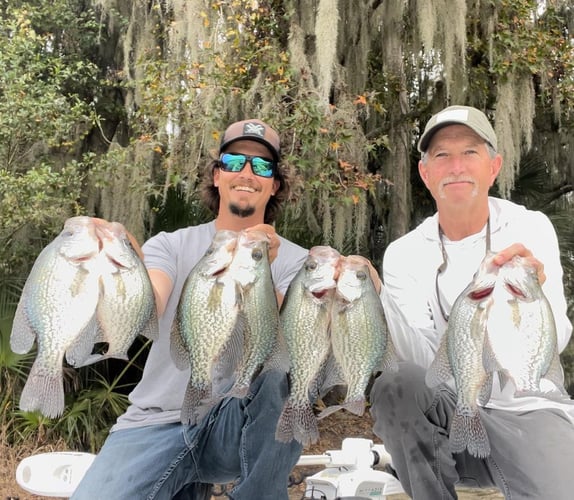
pixel 514 116
pixel 326 36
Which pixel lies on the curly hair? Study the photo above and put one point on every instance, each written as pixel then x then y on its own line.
pixel 210 192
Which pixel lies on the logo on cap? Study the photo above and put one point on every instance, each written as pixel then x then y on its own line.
pixel 254 129
pixel 454 115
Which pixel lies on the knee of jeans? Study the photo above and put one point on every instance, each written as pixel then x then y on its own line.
pixel 402 389
pixel 272 384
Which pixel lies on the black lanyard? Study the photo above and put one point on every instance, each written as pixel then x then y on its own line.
pixel 442 267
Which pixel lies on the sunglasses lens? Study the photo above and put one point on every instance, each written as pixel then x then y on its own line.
pixel 232 163
pixel 235 163
pixel 262 167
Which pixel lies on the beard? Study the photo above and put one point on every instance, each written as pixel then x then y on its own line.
pixel 241 212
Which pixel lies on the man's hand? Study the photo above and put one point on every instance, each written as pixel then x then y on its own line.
pixel 137 247
pixel 519 249
pixel 372 271
pixel 274 241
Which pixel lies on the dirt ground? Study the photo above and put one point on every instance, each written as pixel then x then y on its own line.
pixel 332 431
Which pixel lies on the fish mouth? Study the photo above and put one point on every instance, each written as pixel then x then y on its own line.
pixel 218 272
pixel 514 290
pixel 84 258
pixel 481 293
pixel 116 262
pixel 319 294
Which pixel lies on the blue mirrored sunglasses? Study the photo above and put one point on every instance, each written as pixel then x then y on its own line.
pixel 262 167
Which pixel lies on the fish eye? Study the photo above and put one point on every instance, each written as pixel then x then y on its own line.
pixel 362 275
pixel 257 254
pixel 311 266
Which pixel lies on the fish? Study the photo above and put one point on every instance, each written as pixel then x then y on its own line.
pixel 57 309
pixel 521 332
pixel 250 269
pixel 207 326
pixel 460 356
pixel 360 337
pixel 126 306
pixel 305 318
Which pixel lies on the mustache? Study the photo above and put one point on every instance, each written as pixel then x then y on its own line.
pixel 456 178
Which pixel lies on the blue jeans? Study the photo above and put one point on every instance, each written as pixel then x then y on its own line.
pixel 234 442
pixel 532 452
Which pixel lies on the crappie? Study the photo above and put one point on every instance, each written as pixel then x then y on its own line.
pixel 305 318
pixel 460 356
pixel 206 324
pixel 359 335
pixel 126 307
pixel 521 331
pixel 251 270
pixel 57 309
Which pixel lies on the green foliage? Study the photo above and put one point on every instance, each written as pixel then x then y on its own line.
pixel 42 120
pixel 525 39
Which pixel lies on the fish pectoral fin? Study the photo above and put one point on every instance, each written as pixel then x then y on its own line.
pixel 329 376
pixel 389 362
pixel 440 369
pixel 485 390
pixel 177 348
pixel 489 361
pixel 279 357
pixel 81 347
pixel 151 329
pixel 231 356
pixel 555 373
pixel 22 336
pixel 503 378
pixel 90 360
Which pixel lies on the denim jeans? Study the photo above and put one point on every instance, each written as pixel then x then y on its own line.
pixel 234 442
pixel 532 452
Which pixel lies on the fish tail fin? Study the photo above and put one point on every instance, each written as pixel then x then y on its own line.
pixel 297 421
pixel 285 424
pixel 467 432
pixel 355 406
pixel 329 411
pixel 43 393
pixel 194 395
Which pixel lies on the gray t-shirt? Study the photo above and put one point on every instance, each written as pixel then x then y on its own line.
pixel 158 396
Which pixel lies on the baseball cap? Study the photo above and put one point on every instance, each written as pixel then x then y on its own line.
pixel 463 115
pixel 252 130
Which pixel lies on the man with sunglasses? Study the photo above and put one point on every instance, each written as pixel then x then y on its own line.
pixel 531 438
pixel 149 454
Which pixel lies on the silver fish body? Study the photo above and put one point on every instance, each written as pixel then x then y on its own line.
pixel 126 307
pixel 360 338
pixel 205 327
pixel 305 318
pixel 57 309
pixel 522 332
pixel 250 269
pixel 460 356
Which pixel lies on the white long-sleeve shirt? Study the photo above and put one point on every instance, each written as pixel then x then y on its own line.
pixel 410 298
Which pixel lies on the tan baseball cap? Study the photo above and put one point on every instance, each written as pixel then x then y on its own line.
pixel 252 130
pixel 464 115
